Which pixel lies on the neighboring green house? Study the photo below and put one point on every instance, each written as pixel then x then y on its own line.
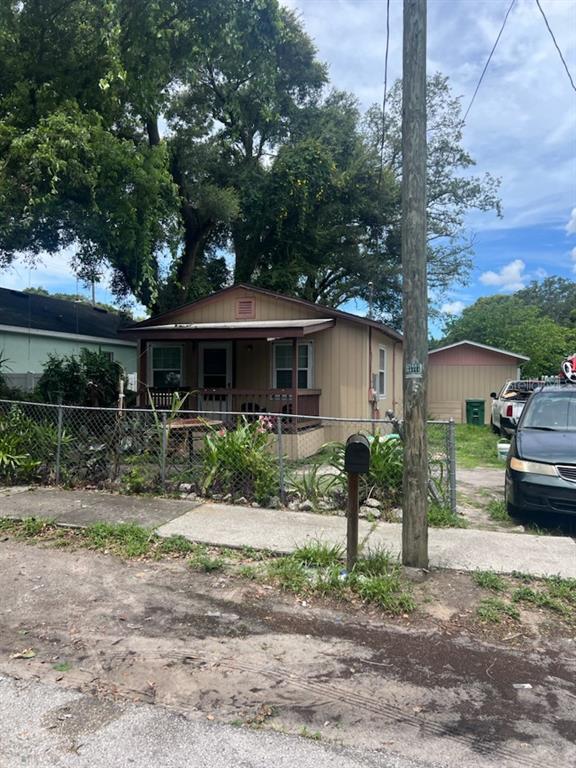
pixel 33 327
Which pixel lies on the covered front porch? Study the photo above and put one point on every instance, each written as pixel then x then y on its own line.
pixel 243 367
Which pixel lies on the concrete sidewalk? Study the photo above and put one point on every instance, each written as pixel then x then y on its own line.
pixel 283 531
pixel 456 548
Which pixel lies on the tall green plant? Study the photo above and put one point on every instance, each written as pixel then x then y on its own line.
pixel 89 378
pixel 239 461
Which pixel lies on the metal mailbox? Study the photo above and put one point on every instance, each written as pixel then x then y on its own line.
pixel 357 454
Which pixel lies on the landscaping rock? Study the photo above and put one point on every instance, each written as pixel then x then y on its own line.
pixel 185 487
pixel 369 512
pixel 293 506
pixel 373 503
pixel 306 506
pixel 240 500
pixel 227 498
pixel 518 529
pixel 217 496
pixel 255 504
pixel 274 503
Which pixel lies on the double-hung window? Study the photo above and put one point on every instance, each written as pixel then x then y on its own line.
pixel 166 365
pixel 381 372
pixel 283 364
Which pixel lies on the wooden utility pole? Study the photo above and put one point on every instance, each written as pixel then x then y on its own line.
pixel 414 290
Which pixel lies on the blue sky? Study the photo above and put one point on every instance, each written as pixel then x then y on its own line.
pixel 522 127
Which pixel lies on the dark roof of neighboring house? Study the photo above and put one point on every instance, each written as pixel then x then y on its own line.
pixel 36 312
pixel 324 311
pixel 480 346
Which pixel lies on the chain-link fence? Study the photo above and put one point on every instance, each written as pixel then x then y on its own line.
pixel 249 458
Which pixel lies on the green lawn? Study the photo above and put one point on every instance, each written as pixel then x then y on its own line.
pixel 476 446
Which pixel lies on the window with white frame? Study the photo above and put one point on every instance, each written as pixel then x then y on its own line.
pixel 381 371
pixel 166 366
pixel 283 365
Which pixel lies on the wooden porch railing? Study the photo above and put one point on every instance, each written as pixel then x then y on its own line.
pixel 243 400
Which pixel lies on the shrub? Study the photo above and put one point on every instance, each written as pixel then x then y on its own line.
pixel 239 461
pixel 27 447
pixel 90 379
pixel 384 480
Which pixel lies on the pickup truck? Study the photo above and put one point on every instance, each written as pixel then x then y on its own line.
pixel 508 404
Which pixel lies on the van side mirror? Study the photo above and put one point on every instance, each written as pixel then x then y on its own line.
pixel 493 395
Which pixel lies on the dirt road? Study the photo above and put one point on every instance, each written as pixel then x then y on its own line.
pixel 211 646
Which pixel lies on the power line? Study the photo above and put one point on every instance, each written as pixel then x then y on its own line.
pixel 489 60
pixel 562 59
pixel 385 93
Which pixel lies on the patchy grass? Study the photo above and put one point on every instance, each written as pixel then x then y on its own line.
pixel 201 560
pixel 308 734
pixel 476 447
pixel 319 554
pixel 175 545
pixel 63 666
pixel 318 569
pixel 442 517
pixel 124 539
pixel 496 510
pixel 489 580
pixel 494 610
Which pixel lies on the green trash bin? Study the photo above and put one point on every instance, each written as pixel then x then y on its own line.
pixel 475 412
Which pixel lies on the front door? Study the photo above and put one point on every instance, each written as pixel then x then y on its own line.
pixel 215 372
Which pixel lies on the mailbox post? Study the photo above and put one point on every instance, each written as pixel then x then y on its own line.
pixel 356 463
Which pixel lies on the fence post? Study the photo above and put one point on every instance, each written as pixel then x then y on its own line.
pixel 452 464
pixel 59 441
pixel 164 450
pixel 281 460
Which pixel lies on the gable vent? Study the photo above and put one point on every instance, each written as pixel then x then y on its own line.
pixel 245 309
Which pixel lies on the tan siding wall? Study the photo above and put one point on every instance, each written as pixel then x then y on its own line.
pixel 252 364
pixel 223 309
pixel 454 384
pixel 341 370
pixel 393 399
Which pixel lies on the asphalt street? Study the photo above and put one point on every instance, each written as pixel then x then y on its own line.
pixel 44 726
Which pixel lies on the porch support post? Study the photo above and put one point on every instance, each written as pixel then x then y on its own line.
pixel 295 377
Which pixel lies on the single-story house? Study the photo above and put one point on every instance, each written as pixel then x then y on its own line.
pixel 468 371
pixel 246 349
pixel 33 326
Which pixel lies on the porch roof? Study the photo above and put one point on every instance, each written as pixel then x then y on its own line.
pixel 246 329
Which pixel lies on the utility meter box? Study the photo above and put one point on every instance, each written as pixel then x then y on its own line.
pixel 357 454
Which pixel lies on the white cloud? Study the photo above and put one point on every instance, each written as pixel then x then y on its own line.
pixel 511 277
pixel 523 121
pixel 571 226
pixel 573 256
pixel 452 307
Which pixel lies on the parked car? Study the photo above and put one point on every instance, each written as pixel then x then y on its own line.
pixel 541 463
pixel 508 404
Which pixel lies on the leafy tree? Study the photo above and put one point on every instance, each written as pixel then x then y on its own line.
pixel 452 190
pixel 155 136
pixel 84 159
pixel 555 297
pixel 90 378
pixel 506 322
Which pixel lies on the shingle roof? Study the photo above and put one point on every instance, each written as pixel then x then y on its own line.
pixel 26 310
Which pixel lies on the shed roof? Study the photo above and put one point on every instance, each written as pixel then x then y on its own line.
pixel 480 346
pixel 44 313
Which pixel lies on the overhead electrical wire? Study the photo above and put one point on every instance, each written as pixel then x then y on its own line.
pixel 382 140
pixel 562 59
pixel 488 61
